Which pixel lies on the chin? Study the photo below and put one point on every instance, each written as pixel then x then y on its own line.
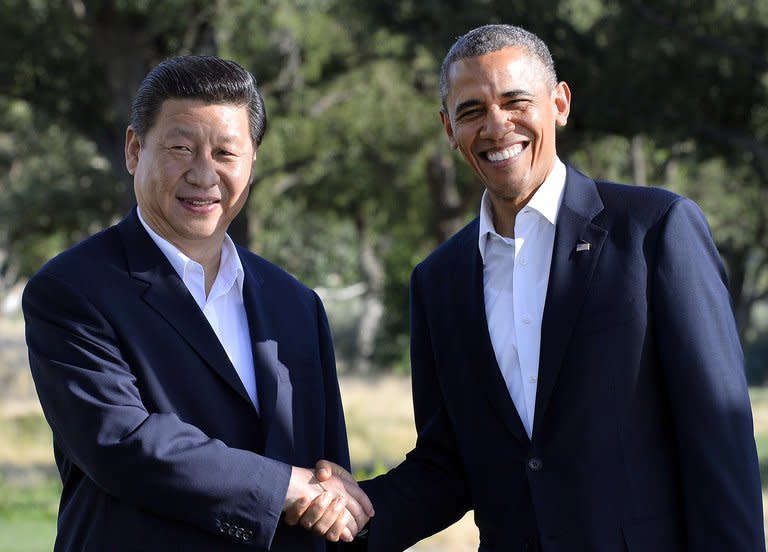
pixel 200 233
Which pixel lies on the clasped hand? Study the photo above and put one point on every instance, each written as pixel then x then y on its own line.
pixel 327 501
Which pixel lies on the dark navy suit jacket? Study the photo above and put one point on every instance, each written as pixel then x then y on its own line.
pixel 158 445
pixel 642 438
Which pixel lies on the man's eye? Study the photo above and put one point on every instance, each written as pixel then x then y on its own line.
pixel 516 104
pixel 472 113
pixel 180 148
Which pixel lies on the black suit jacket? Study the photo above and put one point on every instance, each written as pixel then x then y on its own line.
pixel 642 436
pixel 158 445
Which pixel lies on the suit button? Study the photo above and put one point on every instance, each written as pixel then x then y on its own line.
pixel 239 533
pixel 247 534
pixel 535 464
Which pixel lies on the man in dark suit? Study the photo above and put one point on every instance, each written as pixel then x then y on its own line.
pixel 578 380
pixel 187 381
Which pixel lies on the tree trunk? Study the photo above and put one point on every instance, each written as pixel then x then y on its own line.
pixel 735 260
pixel 239 229
pixel 639 165
pixel 373 304
pixel 446 200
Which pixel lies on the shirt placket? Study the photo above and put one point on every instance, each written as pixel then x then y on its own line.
pixel 525 326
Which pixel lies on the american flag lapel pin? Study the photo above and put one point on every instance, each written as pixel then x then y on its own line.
pixel 583 246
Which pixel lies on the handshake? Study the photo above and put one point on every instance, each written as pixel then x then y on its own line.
pixel 327 501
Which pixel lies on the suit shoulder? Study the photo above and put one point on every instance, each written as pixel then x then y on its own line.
pixel 645 194
pixel 637 202
pixel 85 256
pixel 83 269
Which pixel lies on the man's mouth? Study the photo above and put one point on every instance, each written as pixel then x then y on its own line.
pixel 198 202
pixel 507 153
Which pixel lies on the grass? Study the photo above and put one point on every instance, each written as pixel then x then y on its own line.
pixel 34 502
pixel 26 535
pixel 29 484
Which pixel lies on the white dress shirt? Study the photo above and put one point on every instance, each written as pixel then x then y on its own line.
pixel 223 308
pixel 515 278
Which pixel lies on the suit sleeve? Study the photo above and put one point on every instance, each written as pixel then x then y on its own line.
pixel 702 362
pixel 428 491
pixel 154 461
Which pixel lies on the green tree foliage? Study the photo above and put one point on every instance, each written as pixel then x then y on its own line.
pixel 54 189
pixel 355 182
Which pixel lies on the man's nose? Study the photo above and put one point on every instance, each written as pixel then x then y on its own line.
pixel 203 172
pixel 497 123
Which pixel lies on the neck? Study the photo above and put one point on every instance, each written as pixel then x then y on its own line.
pixel 211 270
pixel 209 259
pixel 504 212
pixel 205 252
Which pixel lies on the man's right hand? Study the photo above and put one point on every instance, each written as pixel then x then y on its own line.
pixel 331 505
pixel 329 473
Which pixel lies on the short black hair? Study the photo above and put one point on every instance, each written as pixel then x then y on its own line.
pixel 492 38
pixel 207 78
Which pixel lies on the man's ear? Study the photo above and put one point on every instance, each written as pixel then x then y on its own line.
pixel 132 150
pixel 446 120
pixel 562 103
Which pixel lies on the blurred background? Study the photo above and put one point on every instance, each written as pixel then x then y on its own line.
pixel 355 182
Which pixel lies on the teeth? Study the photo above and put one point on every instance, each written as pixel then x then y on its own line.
pixel 199 202
pixel 504 154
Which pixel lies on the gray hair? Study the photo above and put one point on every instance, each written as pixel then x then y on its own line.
pixel 491 38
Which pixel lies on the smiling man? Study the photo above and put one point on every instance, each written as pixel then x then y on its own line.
pixel 189 383
pixel 578 380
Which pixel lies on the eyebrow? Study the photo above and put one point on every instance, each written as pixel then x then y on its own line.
pixel 474 103
pixel 466 105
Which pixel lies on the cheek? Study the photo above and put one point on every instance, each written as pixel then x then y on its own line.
pixel 464 145
pixel 468 157
pixel 171 170
pixel 471 159
pixel 238 185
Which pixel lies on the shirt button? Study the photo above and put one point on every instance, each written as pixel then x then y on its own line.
pixel 524 261
pixel 533 379
pixel 526 320
pixel 535 464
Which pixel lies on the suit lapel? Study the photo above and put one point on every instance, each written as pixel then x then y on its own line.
pixel 168 295
pixel 273 383
pixel 577 247
pixel 480 339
